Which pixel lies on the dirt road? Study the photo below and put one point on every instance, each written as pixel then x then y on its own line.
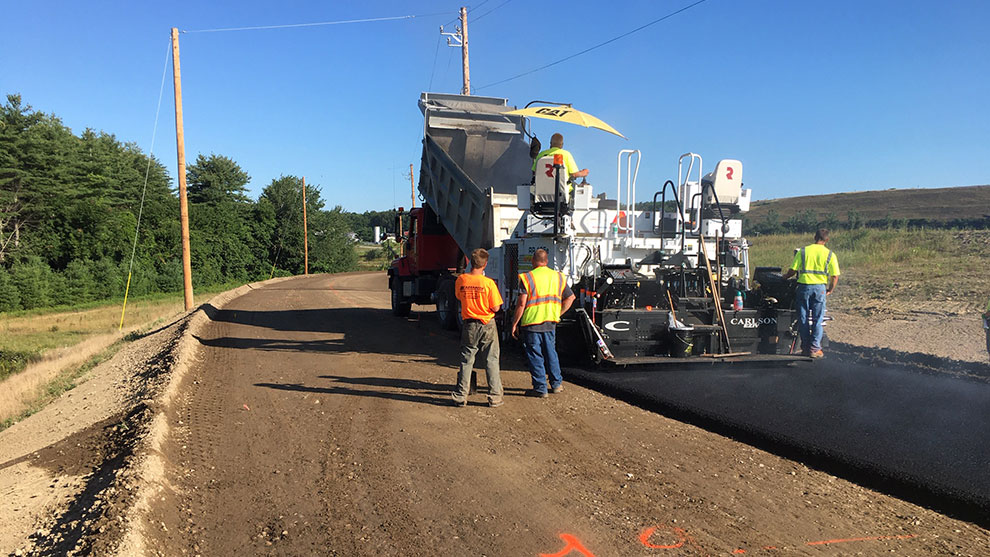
pixel 314 422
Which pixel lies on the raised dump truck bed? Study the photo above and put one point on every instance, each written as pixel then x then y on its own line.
pixel 471 153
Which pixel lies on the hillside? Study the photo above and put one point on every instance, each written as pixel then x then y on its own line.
pixel 930 204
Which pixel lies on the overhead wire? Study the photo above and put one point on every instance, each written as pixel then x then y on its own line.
pixel 314 24
pixel 144 189
pixel 489 11
pixel 595 47
pixel 436 54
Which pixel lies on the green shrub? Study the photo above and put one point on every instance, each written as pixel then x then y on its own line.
pixel 10 296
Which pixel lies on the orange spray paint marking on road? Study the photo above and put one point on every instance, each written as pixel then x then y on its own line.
pixel 872 538
pixel 644 538
pixel 682 535
pixel 738 551
pixel 572 545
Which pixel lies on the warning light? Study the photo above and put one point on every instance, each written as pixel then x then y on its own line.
pixel 649 308
pixel 558 160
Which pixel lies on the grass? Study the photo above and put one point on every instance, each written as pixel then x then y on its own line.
pixel 904 265
pixel 939 204
pixel 61 383
pixel 25 336
pixel 372 257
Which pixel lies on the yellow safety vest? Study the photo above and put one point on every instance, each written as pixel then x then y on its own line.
pixel 814 264
pixel 544 293
pixel 569 162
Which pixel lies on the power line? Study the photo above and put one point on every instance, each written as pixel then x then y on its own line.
pixel 490 11
pixel 314 24
pixel 436 54
pixel 597 46
pixel 147 172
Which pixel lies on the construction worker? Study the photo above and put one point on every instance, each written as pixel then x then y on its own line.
pixel 986 325
pixel 557 147
pixel 817 269
pixel 544 298
pixel 480 300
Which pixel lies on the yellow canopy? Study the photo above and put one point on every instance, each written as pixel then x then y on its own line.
pixel 565 113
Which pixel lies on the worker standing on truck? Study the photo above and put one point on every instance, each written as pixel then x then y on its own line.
pixel 817 269
pixel 544 298
pixel 557 148
pixel 480 300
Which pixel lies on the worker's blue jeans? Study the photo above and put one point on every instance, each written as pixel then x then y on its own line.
pixel 541 353
pixel 810 306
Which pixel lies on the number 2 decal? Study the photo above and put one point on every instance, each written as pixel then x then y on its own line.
pixel 549 170
pixel 728 173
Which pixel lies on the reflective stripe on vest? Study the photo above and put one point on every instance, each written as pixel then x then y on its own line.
pixel 804 268
pixel 544 294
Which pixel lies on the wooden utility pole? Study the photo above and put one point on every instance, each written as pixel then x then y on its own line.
pixel 412 185
pixel 180 153
pixel 305 233
pixel 464 53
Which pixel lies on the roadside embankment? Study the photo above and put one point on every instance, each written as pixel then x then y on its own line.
pixel 73 473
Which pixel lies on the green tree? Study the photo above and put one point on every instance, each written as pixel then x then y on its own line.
pixel 216 178
pixel 31 279
pixel 330 248
pixel 219 212
pixel 830 221
pixel 854 220
pixel 10 296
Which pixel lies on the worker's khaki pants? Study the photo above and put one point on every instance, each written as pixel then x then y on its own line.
pixel 477 337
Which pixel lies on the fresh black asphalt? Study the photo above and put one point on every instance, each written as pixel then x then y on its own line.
pixel 919 435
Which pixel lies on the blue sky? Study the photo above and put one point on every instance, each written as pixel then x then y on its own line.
pixel 813 97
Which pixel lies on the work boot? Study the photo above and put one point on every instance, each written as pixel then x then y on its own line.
pixel 495 403
pixel 557 389
pixel 537 394
pixel 817 354
pixel 456 402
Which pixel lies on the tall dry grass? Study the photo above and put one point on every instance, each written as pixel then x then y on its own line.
pixel 23 390
pixel 59 344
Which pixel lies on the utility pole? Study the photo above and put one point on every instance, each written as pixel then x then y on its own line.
pixel 412 185
pixel 464 53
pixel 459 38
pixel 180 152
pixel 305 233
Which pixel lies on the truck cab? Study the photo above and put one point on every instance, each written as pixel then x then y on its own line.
pixel 430 258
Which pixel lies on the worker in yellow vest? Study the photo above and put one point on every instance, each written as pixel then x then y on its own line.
pixel 544 298
pixel 817 269
pixel 986 325
pixel 557 148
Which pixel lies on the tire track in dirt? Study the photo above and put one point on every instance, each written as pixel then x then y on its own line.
pixel 349 449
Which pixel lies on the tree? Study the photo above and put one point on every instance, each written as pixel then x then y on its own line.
pixel 830 221
pixel 214 179
pixel 330 248
pixel 854 220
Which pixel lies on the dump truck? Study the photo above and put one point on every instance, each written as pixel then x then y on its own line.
pixel 668 283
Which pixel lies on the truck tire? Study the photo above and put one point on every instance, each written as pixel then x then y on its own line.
pixel 400 308
pixel 447 306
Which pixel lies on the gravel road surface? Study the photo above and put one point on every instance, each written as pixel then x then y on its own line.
pixel 315 422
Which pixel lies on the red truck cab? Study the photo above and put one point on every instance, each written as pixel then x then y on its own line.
pixel 430 260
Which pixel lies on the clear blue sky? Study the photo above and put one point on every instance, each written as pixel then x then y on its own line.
pixel 813 97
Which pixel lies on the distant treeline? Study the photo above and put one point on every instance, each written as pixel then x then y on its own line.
pixel 69 209
pixel 809 220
